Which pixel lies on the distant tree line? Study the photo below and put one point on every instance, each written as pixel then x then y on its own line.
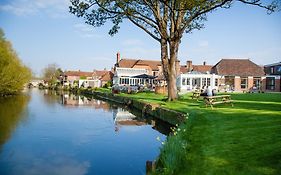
pixel 13 74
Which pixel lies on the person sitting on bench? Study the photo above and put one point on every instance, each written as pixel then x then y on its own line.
pixel 214 91
pixel 207 92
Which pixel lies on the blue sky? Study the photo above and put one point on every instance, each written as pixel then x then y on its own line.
pixel 43 32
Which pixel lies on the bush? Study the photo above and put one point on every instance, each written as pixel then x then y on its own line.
pixel 107 85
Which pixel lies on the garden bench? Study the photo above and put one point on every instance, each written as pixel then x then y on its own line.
pixel 212 100
pixel 196 95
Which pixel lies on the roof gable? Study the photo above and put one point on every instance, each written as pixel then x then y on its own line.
pixel 127 63
pixel 107 76
pixel 202 68
pixel 237 67
pixel 130 63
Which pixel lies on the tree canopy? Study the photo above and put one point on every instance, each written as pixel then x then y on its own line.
pixel 52 74
pixel 13 74
pixel 164 20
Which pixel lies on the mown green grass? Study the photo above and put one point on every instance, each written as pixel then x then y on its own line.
pixel 244 139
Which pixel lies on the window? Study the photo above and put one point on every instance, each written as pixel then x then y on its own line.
pixel 204 82
pixel 244 82
pixel 208 81
pixel 183 81
pixel 278 69
pixel 187 81
pixel 270 83
pixel 126 81
pixel 271 70
pixel 257 83
pixel 216 82
pixel 229 81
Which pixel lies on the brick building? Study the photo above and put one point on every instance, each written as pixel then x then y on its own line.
pixel 126 69
pixel 97 78
pixel 239 75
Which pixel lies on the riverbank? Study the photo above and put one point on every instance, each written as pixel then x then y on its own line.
pixel 145 107
pixel 244 139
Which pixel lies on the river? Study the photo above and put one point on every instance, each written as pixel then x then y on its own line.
pixel 46 132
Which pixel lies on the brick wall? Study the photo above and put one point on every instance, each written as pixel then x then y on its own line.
pixel 250 83
pixel 263 84
pixel 277 85
pixel 237 84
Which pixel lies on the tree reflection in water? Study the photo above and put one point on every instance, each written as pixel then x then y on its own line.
pixel 12 111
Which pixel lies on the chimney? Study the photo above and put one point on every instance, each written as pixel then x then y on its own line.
pixel 189 66
pixel 204 63
pixel 118 58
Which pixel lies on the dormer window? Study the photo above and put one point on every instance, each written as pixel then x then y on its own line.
pixel 271 70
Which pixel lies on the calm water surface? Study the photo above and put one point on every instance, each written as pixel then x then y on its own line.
pixel 50 133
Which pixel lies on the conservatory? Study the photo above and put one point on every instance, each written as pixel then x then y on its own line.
pixel 132 77
pixel 196 80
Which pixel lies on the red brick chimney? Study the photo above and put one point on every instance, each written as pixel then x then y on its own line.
pixel 118 58
pixel 189 66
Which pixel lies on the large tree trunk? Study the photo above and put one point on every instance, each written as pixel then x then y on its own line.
pixel 169 66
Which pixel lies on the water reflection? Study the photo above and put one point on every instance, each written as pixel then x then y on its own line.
pixel 68 134
pixel 121 116
pixel 12 111
pixel 71 100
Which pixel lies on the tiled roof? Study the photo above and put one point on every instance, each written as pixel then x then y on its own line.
pixel 197 68
pixel 103 75
pixel 99 73
pixel 127 63
pixel 130 63
pixel 78 73
pixel 183 69
pixel 237 67
pixel 107 76
pixel 202 68
pixel 151 63
pixel 273 64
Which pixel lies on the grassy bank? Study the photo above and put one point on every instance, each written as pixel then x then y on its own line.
pixel 244 139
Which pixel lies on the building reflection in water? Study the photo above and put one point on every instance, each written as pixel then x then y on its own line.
pixel 71 100
pixel 120 116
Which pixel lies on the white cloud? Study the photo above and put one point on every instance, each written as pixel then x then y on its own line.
pixel 265 55
pixel 53 162
pixel 86 31
pixel 54 8
pixel 203 43
pixel 130 42
pixel 139 52
pixel 17 10
pixel 83 27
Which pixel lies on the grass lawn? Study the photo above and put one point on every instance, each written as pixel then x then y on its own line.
pixel 244 139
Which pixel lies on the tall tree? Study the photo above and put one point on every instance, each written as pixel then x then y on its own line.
pixel 13 74
pixel 52 74
pixel 164 20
